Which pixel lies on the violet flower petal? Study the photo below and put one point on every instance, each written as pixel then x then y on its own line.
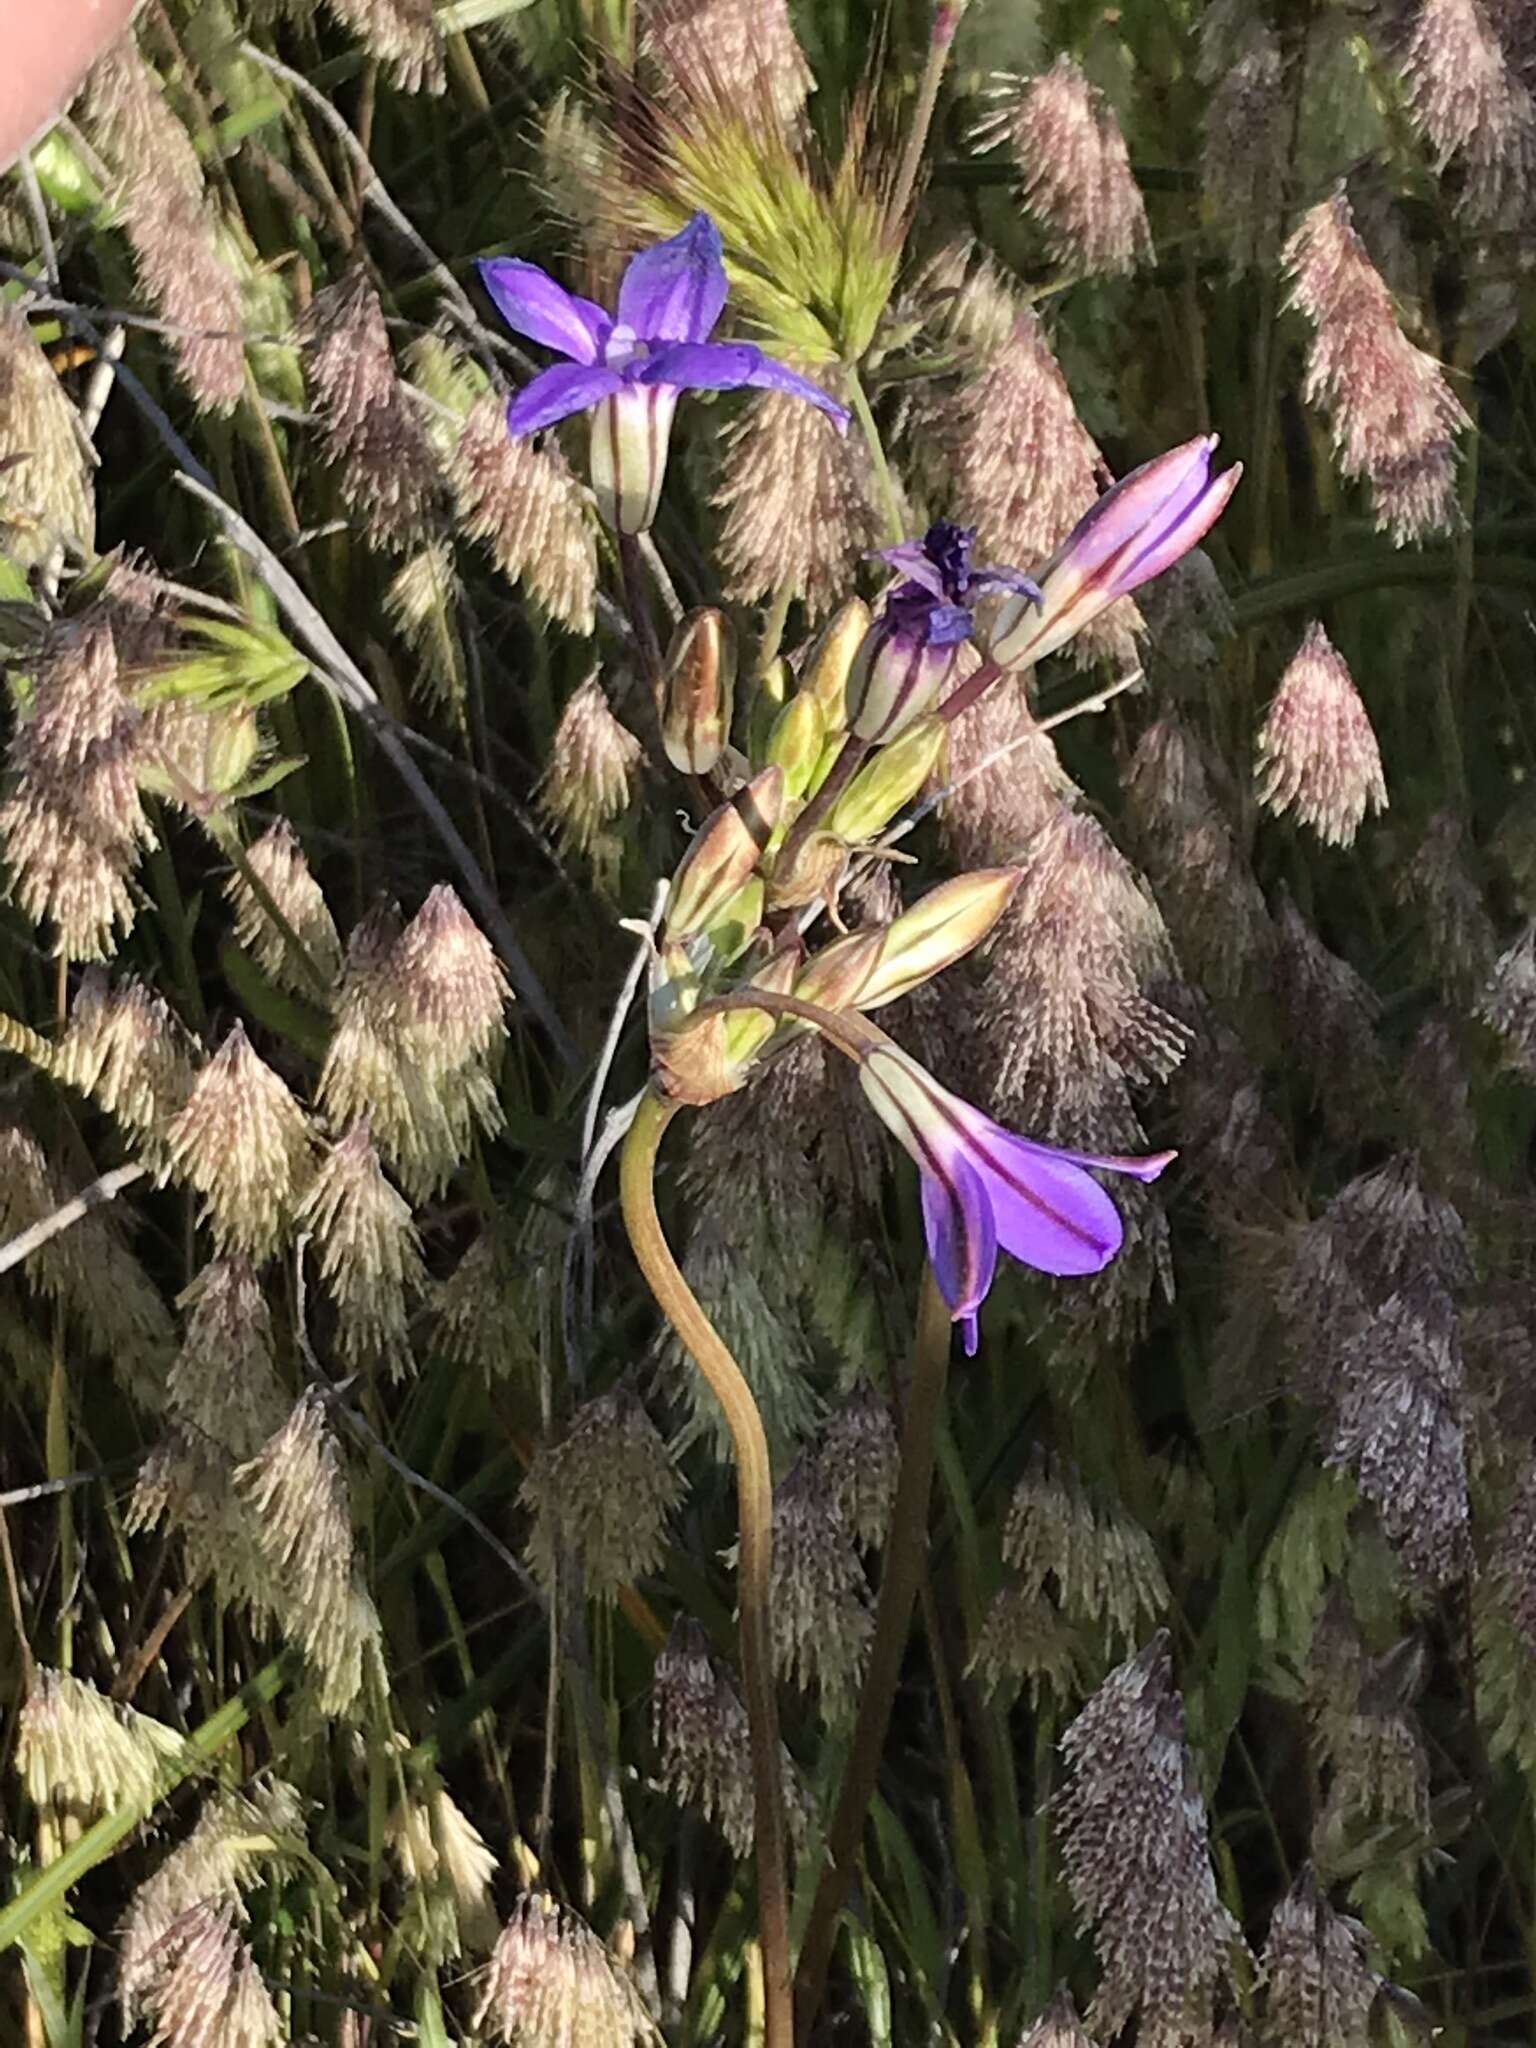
pixel 674 290
pixel 1048 1212
pixel 1172 537
pixel 557 392
pixel 1007 579
pixel 948 625
pixel 532 304
pixel 962 1241
pixel 727 366
pixel 915 564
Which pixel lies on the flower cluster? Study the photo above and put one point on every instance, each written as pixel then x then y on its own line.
pixel 828 765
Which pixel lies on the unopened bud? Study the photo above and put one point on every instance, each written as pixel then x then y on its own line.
pixel 897 677
pixel 939 929
pixel 836 977
pixel 825 674
pixel 748 1031
pixel 891 779
pixel 698 689
pixel 770 692
pixel 725 850
pixel 797 742
pixel 730 933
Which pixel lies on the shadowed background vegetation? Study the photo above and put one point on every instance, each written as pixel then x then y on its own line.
pixel 367 1606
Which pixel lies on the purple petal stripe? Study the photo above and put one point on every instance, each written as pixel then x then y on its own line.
pixel 557 392
pixel 962 1242
pixel 531 303
pixel 1049 1212
pixel 674 291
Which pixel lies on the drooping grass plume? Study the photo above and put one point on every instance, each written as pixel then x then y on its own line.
pixel 1317 753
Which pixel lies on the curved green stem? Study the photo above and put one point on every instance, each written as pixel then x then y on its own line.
pixel 859 399
pixel 754 1495
pixel 906 1552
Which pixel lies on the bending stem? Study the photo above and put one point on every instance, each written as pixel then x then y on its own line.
pixel 754 1496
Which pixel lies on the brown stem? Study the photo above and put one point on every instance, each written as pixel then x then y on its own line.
pixel 906 1551
pixel 754 1497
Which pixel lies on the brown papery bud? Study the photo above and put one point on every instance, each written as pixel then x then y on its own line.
pixel 725 850
pixel 698 691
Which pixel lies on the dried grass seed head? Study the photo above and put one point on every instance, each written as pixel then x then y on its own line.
pixel 592 769
pixel 202 1986
pixel 1470 104
pixel 799 502
pixel 370 1254
pixel 1101 1566
pixel 73 826
pixel 522 502
pixel 1247 140
pixel 699 1726
pixel 125 1048
pixel 857 1456
pixel 224 1383
pixel 296 1489
pixel 80 1753
pixel 1136 1850
pixel 1319 1990
pixel 1317 752
pixel 179 246
pixel 606 1491
pixel 447 1870
pixel 822 1621
pixel 450 993
pixel 1059 2026
pixel 747 49
pixel 1507 1003
pixel 478 1307
pixel 227 1852
pixel 1006 779
pixel 373 434
pixel 1393 416
pixel 243 1142
pixel 1019 465
pixel 1438 885
pixel 404 34
pixel 1401 1428
pixel 277 861
pixel 1075 173
pixel 1331 1012
pixel 46 496
pixel 551 1984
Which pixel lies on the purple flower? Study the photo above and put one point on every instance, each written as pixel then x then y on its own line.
pixel 911 650
pixel 985 1187
pixel 1134 532
pixel 627 369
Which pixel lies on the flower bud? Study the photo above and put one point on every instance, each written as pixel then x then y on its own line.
pixel 836 977
pixel 747 1031
pixel 825 674
pixel 698 689
pixel 1134 532
pixel 770 691
pixel 630 432
pixel 725 850
pixel 939 929
pixel 896 678
pixel 797 742
pixel 891 779
pixel 730 933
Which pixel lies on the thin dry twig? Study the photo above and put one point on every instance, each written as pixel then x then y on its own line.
pixel 106 1189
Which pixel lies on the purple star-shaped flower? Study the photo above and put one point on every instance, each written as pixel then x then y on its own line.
pixel 984 1187
pixel 628 368
pixel 910 651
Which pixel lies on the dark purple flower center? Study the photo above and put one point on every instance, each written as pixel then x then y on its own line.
pixel 948 547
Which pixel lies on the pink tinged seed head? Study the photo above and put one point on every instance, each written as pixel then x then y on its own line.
pixel 1135 531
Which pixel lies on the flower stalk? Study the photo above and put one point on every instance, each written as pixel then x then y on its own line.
pixel 754 1496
